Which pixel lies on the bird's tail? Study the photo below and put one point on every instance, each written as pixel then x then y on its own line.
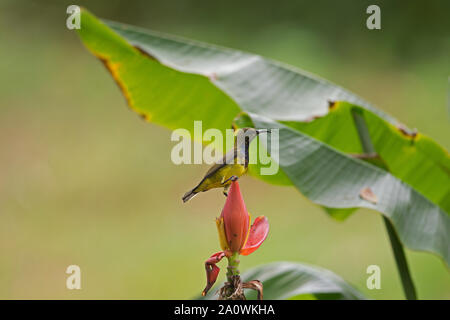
pixel 189 195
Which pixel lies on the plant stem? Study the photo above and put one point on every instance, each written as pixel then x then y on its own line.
pixel 233 264
pixel 397 247
pixel 400 259
pixel 232 290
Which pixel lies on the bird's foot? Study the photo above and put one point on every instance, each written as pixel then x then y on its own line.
pixel 232 178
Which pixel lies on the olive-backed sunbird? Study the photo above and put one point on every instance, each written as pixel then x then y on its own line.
pixel 233 164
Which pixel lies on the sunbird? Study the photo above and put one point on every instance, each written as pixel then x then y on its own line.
pixel 233 165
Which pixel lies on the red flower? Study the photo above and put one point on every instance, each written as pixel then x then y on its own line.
pixel 235 233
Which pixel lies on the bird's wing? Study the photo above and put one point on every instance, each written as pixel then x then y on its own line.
pixel 228 158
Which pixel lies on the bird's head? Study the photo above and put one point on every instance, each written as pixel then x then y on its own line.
pixel 248 134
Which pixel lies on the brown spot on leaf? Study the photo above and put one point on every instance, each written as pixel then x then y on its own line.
pixel 144 116
pixel 368 195
pixel 331 104
pixel 311 119
pixel 145 53
pixel 412 134
pixel 213 76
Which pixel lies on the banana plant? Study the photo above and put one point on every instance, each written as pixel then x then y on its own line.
pixel 337 149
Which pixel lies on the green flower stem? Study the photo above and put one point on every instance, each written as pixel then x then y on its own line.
pixel 233 265
pixel 397 247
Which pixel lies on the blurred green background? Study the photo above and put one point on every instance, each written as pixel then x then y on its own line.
pixel 83 180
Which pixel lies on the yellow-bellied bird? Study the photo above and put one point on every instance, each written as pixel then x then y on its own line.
pixel 233 165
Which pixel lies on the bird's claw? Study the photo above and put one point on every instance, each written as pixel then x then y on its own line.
pixel 232 178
